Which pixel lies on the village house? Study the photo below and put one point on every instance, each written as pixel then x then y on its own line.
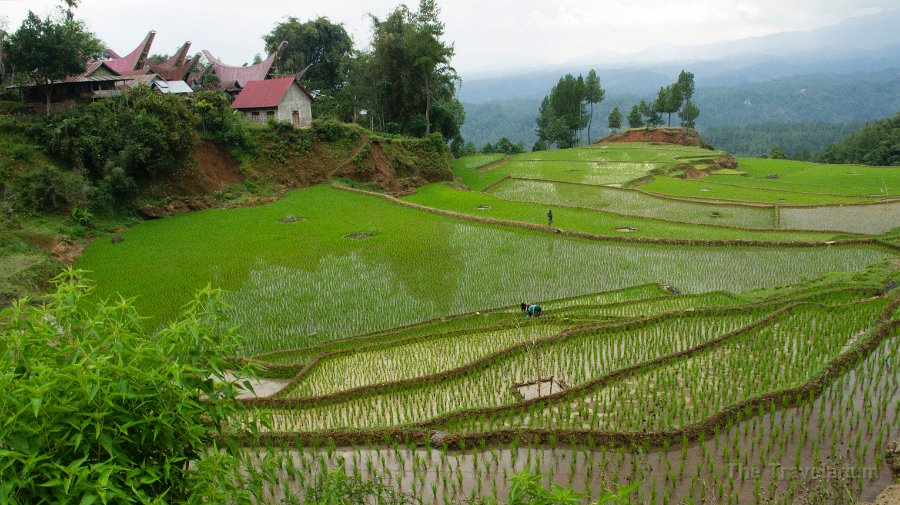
pixel 111 76
pixel 282 99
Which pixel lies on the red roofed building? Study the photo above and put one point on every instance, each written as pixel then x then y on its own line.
pixel 282 99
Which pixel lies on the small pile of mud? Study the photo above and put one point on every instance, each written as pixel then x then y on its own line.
pixel 360 235
pixel 540 388
pixel 483 207
pixel 291 219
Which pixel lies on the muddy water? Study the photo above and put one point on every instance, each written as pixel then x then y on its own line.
pixel 835 441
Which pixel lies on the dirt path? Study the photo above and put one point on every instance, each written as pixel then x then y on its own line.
pixel 494 165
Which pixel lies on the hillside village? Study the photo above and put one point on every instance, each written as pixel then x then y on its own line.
pixel 180 74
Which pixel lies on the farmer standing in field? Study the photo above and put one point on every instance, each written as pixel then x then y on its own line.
pixel 550 217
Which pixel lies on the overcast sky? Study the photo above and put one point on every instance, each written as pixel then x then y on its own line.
pixel 486 33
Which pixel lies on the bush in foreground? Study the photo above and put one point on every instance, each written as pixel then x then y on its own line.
pixel 95 408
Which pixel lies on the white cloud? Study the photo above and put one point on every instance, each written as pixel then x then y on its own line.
pixel 486 33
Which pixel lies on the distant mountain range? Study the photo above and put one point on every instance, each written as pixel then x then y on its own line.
pixel 844 73
pixel 857 44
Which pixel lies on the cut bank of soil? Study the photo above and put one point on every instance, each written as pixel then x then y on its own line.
pixel 679 136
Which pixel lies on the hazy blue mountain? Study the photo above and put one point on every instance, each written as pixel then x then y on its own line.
pixel 864 43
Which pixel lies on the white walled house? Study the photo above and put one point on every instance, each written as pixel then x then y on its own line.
pixel 282 99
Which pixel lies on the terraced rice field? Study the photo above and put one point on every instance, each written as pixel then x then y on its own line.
pixel 634 203
pixel 684 345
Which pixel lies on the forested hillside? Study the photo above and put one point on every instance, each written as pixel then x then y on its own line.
pixel 842 102
pixel 875 144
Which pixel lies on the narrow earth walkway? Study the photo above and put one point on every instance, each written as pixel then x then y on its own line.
pixel 494 165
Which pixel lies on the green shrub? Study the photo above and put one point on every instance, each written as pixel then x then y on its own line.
pixel 97 409
pixel 219 122
pixel 328 131
pixel 47 187
pixel 145 133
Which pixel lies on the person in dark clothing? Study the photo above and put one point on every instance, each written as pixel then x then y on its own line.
pixel 533 310
pixel 524 306
pixel 550 217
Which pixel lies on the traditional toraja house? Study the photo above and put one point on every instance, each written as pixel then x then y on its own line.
pixel 135 63
pixel 97 81
pixel 178 67
pixel 282 99
pixel 232 79
pixel 107 77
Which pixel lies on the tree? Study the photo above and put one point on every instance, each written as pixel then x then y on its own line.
pixel 689 114
pixel 635 117
pixel 593 93
pixel 409 68
pixel 71 5
pixel 156 59
pixel 319 44
pixel 47 50
pixel 4 24
pixel 685 86
pixel 668 101
pixel 651 116
pixel 615 119
pixel 562 113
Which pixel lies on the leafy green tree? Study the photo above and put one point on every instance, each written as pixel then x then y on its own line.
pixel 504 146
pixel 635 117
pixel 99 409
pixel 688 114
pixel 156 59
pixel 540 145
pixel 650 115
pixel 685 87
pixel 71 5
pixel 562 113
pixel 4 70
pixel 318 43
pixel 411 66
pixel 668 101
pixel 219 122
pixel 615 119
pixel 47 50
pixel 593 93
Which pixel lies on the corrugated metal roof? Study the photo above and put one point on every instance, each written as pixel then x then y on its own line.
pixel 262 94
pixel 173 87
